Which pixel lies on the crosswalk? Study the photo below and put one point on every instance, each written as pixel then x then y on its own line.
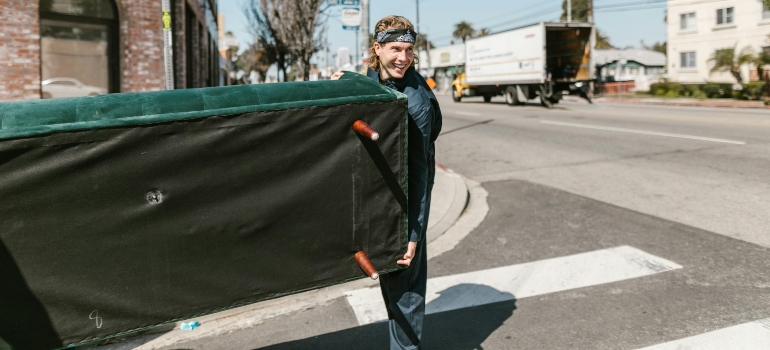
pixel 748 336
pixel 558 274
pixel 520 281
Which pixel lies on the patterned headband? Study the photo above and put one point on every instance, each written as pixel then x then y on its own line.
pixel 402 35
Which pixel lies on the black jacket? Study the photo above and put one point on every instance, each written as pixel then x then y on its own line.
pixel 424 127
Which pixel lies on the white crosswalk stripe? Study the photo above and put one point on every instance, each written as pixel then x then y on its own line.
pixel 748 336
pixel 520 281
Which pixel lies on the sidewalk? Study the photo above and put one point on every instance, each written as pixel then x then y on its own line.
pixel 449 199
pixel 688 102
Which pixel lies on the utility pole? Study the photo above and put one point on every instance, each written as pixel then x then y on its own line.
pixel 417 2
pixel 364 29
pixel 569 11
pixel 590 11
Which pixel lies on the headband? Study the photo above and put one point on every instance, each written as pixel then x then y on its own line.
pixel 399 34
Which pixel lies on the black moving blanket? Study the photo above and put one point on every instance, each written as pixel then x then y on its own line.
pixel 123 212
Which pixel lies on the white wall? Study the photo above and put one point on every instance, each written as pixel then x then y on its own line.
pixel 748 29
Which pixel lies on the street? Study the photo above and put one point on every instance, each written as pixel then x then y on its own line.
pixel 609 226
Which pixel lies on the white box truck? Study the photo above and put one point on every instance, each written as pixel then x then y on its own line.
pixel 544 60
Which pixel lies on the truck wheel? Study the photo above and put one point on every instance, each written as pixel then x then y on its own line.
pixel 511 97
pixel 456 97
pixel 546 102
pixel 487 98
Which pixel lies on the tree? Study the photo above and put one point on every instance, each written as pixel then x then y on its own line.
pixel 463 30
pixel 726 60
pixel 657 46
pixel 579 10
pixel 256 58
pixel 483 32
pixel 762 59
pixel 264 18
pixel 303 31
pixel 291 29
pixel 602 40
pixel 422 43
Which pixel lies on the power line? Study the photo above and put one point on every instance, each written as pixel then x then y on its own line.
pixel 630 4
pixel 448 35
pixel 633 9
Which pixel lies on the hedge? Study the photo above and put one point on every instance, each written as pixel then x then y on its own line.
pixel 751 91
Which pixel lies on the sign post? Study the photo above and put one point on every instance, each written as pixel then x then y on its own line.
pixel 168 50
pixel 351 20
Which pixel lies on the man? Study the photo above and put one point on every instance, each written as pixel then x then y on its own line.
pixel 392 63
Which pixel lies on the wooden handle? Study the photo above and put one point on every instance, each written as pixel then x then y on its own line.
pixel 366 265
pixel 365 130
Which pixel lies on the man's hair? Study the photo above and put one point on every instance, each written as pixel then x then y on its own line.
pixel 388 22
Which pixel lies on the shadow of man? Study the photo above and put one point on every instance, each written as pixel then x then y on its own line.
pixel 448 325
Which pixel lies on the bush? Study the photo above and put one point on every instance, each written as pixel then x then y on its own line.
pixel 699 95
pixel 689 90
pixel 658 89
pixel 752 91
pixel 712 90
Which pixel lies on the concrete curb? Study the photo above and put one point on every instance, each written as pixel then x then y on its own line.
pixel 459 200
pixel 687 103
pixel 467 209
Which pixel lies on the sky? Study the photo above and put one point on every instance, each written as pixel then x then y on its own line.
pixel 626 22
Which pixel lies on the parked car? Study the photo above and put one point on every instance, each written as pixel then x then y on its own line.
pixel 69 87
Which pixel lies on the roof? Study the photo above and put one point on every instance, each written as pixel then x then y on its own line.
pixel 644 57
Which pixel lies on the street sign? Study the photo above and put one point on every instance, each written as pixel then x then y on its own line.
pixel 344 2
pixel 351 18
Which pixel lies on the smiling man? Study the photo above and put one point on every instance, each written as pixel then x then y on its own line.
pixel 392 63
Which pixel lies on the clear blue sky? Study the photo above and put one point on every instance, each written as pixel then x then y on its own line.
pixel 625 24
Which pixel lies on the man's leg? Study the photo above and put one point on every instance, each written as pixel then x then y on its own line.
pixel 404 295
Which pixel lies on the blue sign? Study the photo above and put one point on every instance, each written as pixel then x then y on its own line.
pixel 351 27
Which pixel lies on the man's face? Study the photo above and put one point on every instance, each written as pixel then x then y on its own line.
pixel 395 58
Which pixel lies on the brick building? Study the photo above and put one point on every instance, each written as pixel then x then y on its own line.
pixel 60 48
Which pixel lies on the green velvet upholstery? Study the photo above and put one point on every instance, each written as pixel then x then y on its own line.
pixel 39 117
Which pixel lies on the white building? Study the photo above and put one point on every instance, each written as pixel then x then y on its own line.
pixel 698 28
pixel 343 57
pixel 644 67
pixel 442 64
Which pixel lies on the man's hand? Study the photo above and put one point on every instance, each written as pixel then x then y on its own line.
pixel 410 249
pixel 337 75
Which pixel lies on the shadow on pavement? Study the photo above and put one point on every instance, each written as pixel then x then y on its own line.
pixel 460 329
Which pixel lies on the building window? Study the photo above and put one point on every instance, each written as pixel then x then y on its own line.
pixel 687 21
pixel 78 48
pixel 687 59
pixel 725 16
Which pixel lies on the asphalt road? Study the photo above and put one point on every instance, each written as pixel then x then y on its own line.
pixel 666 207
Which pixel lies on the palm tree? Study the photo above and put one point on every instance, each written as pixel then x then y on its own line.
pixel 483 32
pixel 579 11
pixel 760 61
pixel 602 40
pixel 725 60
pixel 463 30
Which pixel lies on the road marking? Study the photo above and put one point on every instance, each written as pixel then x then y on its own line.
pixel 752 335
pixel 467 113
pixel 520 281
pixel 644 132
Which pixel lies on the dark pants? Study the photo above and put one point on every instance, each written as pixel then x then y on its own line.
pixel 404 294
